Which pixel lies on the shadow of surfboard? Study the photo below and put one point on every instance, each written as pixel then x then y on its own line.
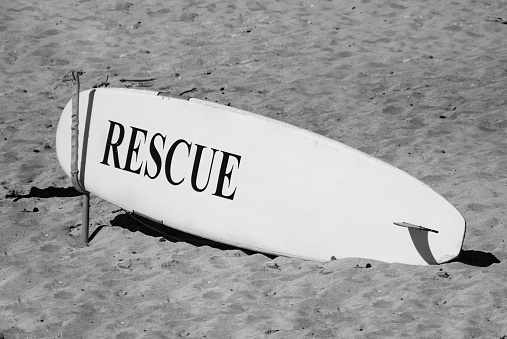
pixel 48 192
pixel 157 230
pixel 476 258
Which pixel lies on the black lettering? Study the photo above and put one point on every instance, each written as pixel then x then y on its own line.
pixel 133 149
pixel 169 159
pixel 155 156
pixel 110 145
pixel 224 174
pixel 195 169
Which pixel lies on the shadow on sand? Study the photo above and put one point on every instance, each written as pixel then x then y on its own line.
pixel 49 192
pixel 477 258
pixel 136 223
pixel 153 229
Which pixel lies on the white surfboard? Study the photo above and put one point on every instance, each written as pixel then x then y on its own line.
pixel 253 182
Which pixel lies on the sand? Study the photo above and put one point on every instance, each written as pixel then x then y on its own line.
pixel 421 85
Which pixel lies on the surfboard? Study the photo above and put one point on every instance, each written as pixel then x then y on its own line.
pixel 253 182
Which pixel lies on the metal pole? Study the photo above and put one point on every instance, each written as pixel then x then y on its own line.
pixel 86 219
pixel 74 171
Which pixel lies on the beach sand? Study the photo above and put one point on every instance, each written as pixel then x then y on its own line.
pixel 421 85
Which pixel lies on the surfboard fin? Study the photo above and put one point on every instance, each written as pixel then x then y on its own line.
pixel 408 225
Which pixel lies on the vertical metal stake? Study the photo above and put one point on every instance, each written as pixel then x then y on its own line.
pixel 74 171
pixel 85 231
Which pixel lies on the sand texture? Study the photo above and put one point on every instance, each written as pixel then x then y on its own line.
pixel 421 85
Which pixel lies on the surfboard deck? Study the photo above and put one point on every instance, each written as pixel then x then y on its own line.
pixel 253 182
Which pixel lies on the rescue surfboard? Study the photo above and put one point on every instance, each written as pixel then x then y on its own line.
pixel 253 182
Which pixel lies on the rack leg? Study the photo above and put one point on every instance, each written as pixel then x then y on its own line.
pixel 85 230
